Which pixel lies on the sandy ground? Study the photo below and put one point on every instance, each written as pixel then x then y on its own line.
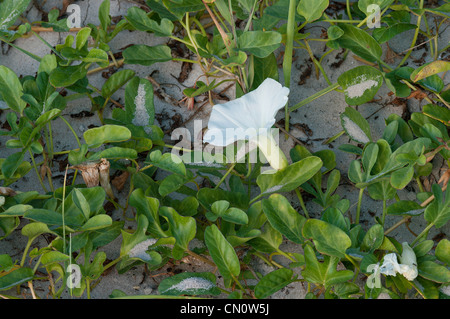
pixel 312 125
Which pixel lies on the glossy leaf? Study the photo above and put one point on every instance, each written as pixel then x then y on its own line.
pixel 442 251
pixel 259 43
pixel 430 69
pixel 289 178
pixel 312 10
pixel 182 228
pixel 329 239
pixel 147 55
pixel 11 89
pixel 283 217
pixel 360 43
pixel 356 126
pixel 272 282
pixel 97 136
pixel 16 277
pixel 222 253
pixel 116 81
pixel 360 84
pixel 323 273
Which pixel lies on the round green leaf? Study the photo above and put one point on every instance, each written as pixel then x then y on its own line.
pixel 360 84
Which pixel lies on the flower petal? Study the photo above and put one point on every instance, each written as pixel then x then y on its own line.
pixel 246 116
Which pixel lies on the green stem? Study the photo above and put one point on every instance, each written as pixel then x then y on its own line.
pixel 416 34
pixel 349 13
pixel 225 176
pixel 358 209
pixel 422 234
pixel 37 172
pixel 384 213
pixel 302 203
pixel 72 130
pixel 314 96
pixel 287 60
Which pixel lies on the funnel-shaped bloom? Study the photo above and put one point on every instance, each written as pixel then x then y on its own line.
pixel 250 117
pixel 408 266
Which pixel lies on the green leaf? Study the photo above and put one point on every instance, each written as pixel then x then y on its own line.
pixel 263 68
pixel 138 18
pixel 329 239
pixel 139 105
pixel 48 64
pixel 360 43
pixel 103 14
pixel 268 241
pixel 97 222
pixel 272 282
pixel 373 238
pixel 401 177
pixel 45 216
pixel 438 212
pixel 16 277
pixel 356 126
pixel 10 10
pixel 283 217
pixel 323 273
pixel 82 38
pixel 97 56
pixel 222 253
pixel 312 9
pixel 52 257
pixel 97 136
pixel 33 230
pixel 289 178
pixel 182 228
pixel 168 162
pixel 12 163
pixel 360 84
pixel 259 43
pixel 149 207
pixel 65 76
pixel 189 283
pixel 434 272
pixel 80 201
pixel 430 69
pixel 147 55
pixel 385 34
pixel 116 81
pixel 442 251
pixel 11 89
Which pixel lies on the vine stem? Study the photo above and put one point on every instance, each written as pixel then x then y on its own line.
pixel 358 209
pixel 287 59
pixel 225 176
pixel 314 96
pixel 416 34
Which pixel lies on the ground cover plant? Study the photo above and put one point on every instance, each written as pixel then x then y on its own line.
pixel 237 207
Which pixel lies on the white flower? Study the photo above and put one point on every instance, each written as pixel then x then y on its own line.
pixel 409 259
pixel 250 117
pixel 390 266
pixel 407 268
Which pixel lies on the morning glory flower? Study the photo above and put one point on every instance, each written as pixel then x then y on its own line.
pixel 250 117
pixel 407 268
pixel 409 259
